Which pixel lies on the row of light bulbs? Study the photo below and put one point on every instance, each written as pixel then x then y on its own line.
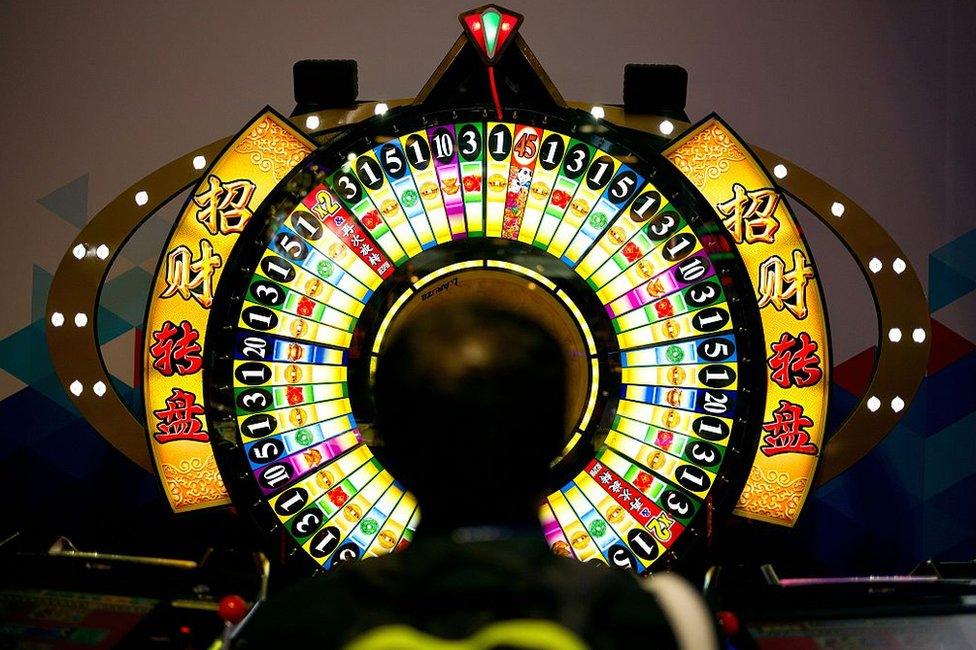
pixel 312 122
pixel 897 404
pixel 102 252
pixel 77 388
pixel 780 171
pixel 666 127
pixel 875 265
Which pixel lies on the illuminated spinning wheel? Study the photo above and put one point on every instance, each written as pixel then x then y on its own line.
pixel 672 272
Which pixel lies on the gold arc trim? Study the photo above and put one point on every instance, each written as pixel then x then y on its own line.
pixel 720 165
pixel 261 155
pixel 76 285
pixel 899 301
pixel 75 352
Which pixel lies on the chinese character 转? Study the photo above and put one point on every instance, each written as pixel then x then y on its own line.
pixel 794 361
pixel 175 349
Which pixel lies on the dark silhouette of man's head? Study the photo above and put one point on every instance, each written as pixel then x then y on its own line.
pixel 470 404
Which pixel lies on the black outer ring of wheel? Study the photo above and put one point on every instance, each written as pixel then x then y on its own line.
pixel 646 159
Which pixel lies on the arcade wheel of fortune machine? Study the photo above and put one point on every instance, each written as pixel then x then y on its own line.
pixel 663 255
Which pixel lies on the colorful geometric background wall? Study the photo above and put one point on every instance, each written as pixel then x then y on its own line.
pixel 909 499
pixel 875 97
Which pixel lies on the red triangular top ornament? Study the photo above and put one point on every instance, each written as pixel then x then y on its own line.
pixel 490 29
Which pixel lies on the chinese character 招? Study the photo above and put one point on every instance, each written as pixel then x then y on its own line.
pixel 749 214
pixel 180 419
pixel 175 349
pixel 222 207
pixel 786 433
pixel 191 278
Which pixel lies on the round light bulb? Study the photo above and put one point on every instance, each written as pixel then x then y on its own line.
pixel 75 388
pixel 312 122
pixel 79 251
pixel 81 320
pixel 199 162
pixel 780 171
pixel 837 209
pixel 57 319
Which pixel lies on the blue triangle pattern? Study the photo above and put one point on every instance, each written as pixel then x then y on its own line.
pixel 70 201
pixel 40 287
pixel 126 295
pixel 946 284
pixel 950 455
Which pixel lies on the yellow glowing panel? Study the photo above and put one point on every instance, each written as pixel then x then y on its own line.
pixel 496 177
pixel 341 290
pixel 619 518
pixel 326 477
pixel 668 418
pixel 336 249
pixel 283 374
pixel 447 270
pixel 635 275
pixel 780 265
pixel 296 417
pixel 662 463
pixel 603 166
pixel 716 375
pixel 302 328
pixel 578 315
pixel 191 267
pixel 676 327
pixel 645 204
pixel 594 389
pixel 521 270
pixel 583 546
pixel 541 186
pixel 569 446
pixel 428 186
pixel 389 206
pixel 385 325
pixel 392 528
